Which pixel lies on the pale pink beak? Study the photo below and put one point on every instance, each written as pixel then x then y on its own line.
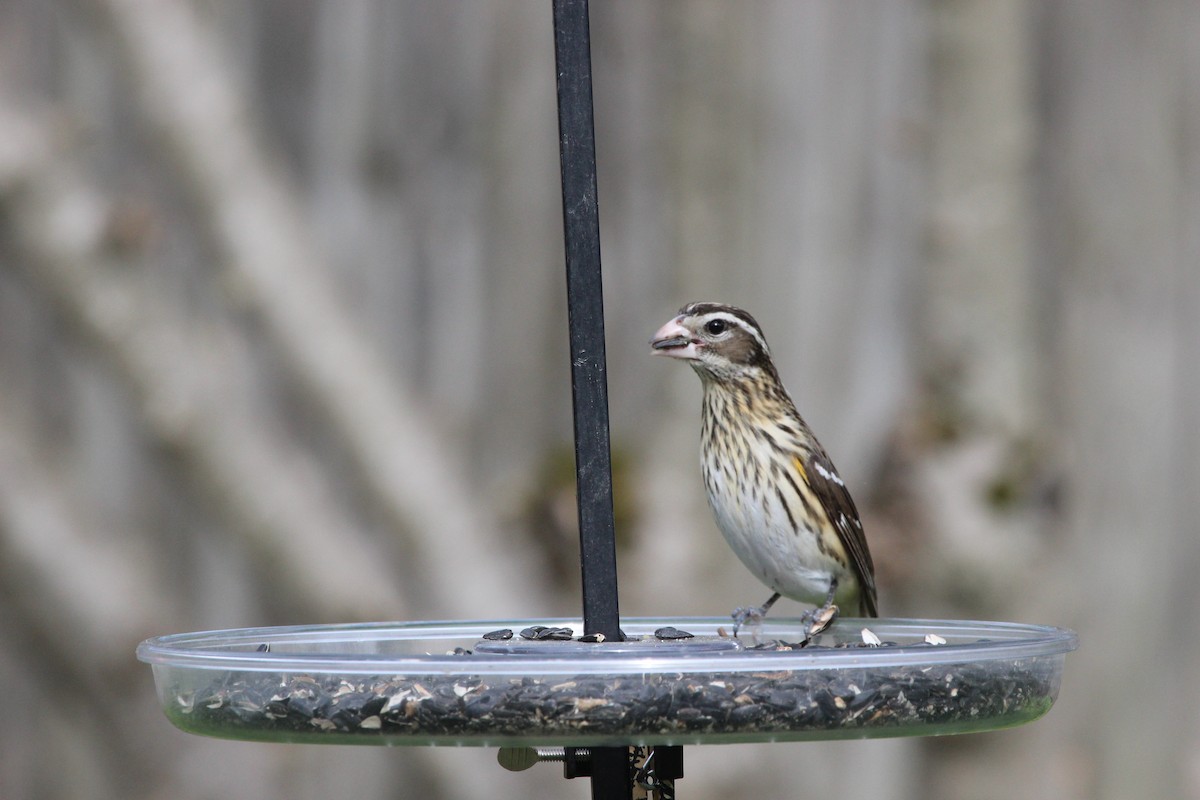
pixel 675 341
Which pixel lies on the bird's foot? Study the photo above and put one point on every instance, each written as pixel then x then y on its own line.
pixel 748 616
pixel 753 615
pixel 818 620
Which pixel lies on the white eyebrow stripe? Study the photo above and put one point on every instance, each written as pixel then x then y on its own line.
pixel 741 323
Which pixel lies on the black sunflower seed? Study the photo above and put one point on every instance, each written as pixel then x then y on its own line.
pixel 668 633
pixel 499 635
pixel 553 634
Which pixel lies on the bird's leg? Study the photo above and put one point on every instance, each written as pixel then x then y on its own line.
pixel 752 614
pixel 822 617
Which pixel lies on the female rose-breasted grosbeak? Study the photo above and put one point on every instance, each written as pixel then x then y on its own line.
pixel 777 497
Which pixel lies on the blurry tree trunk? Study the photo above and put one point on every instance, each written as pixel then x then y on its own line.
pixel 1184 588
pixel 60 565
pixel 67 634
pixel 980 431
pixel 1124 188
pixel 271 491
pixel 978 320
pixel 190 96
pixel 1116 245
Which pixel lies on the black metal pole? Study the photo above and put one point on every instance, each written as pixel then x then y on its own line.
pixel 609 766
pixel 585 306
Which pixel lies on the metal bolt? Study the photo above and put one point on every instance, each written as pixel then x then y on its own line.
pixel 516 759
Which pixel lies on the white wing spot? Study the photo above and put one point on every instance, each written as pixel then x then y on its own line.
pixel 829 475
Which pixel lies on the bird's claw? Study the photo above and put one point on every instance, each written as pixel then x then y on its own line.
pixel 819 620
pixel 748 614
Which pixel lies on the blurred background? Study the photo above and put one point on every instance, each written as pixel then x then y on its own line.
pixel 283 340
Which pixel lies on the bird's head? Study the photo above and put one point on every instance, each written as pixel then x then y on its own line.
pixel 721 343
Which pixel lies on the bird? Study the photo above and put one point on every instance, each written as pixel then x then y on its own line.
pixel 775 494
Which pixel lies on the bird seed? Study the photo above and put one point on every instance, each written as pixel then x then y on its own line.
pixel 650 707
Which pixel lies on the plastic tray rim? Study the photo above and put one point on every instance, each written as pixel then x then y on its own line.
pixel 209 650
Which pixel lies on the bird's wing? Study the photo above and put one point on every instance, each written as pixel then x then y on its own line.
pixel 831 492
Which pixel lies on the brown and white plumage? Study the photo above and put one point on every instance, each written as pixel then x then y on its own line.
pixel 776 496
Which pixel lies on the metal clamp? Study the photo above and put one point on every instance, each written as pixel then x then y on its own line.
pixel 653 770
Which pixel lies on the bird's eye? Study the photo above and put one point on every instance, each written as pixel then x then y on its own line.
pixel 715 327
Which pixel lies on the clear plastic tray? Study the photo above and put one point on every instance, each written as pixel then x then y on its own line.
pixel 444 683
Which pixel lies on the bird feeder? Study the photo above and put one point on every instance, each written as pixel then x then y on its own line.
pixel 613 699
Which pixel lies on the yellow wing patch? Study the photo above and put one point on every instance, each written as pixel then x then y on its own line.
pixel 799 465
